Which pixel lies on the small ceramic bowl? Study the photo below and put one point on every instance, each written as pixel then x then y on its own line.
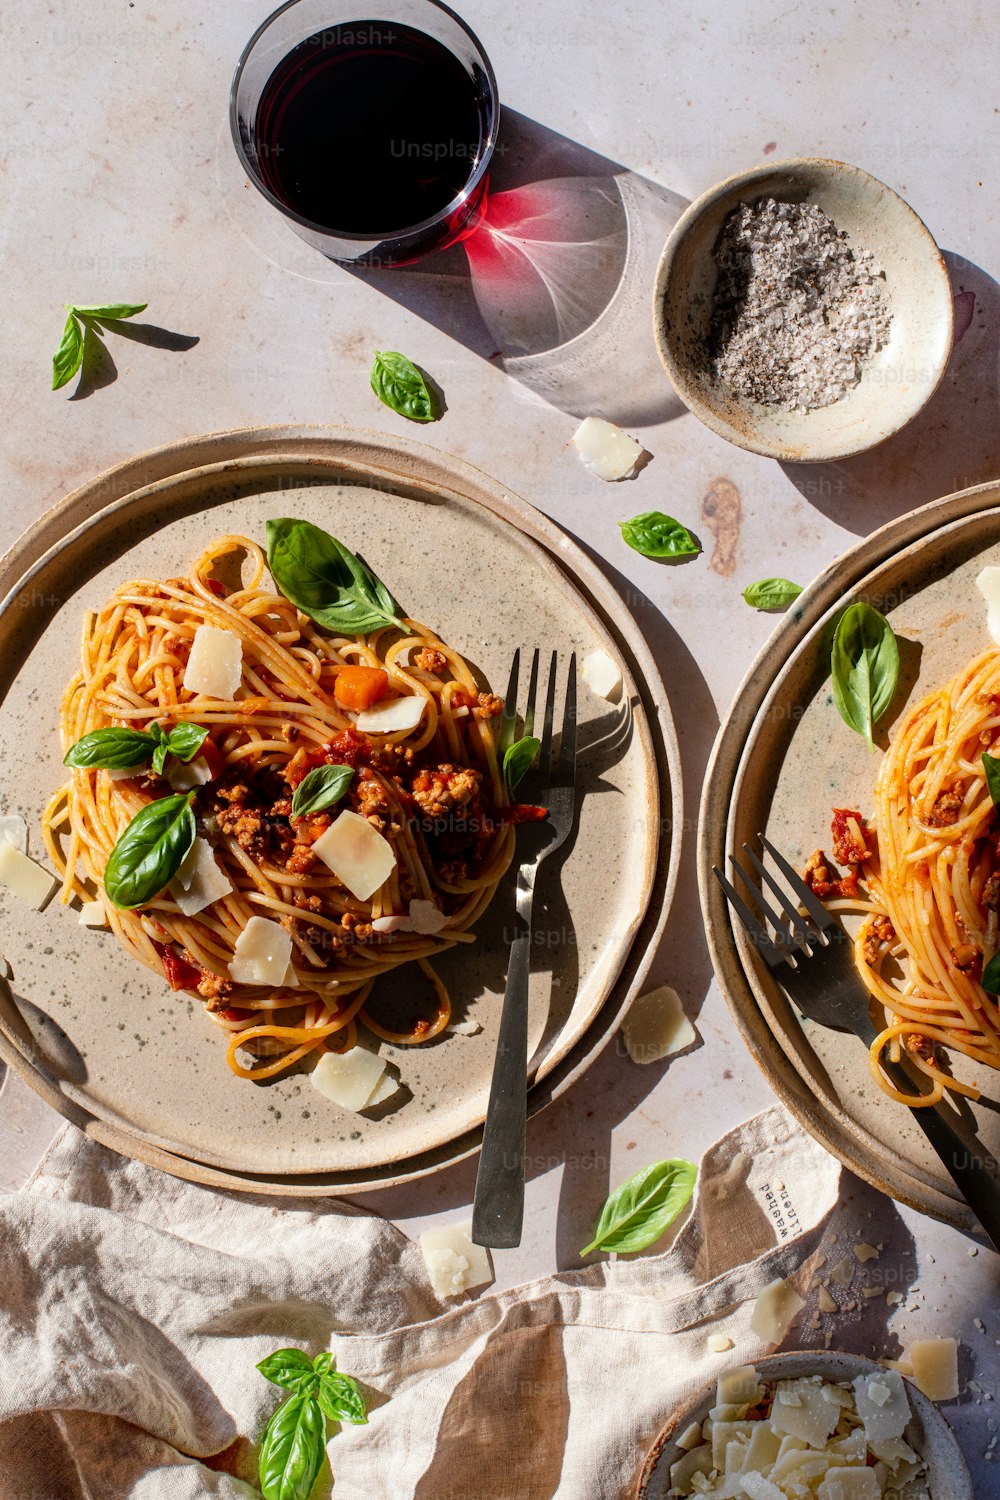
pixel 928 1433
pixel 901 376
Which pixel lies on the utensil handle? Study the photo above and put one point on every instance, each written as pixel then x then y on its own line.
pixel 498 1206
pixel 968 1170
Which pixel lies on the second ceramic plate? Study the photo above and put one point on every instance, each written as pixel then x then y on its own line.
pixel 783 760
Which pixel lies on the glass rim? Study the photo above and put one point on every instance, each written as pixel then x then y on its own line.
pixel 456 203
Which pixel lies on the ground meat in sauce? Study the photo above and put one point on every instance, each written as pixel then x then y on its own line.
pixel 947 807
pixel 846 848
pixel 489 706
pixel 818 877
pixel 919 1045
pixel 429 660
pixel 880 931
pixel 967 959
pixel 439 790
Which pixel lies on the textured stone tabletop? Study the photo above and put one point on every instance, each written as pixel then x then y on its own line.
pixel 119 181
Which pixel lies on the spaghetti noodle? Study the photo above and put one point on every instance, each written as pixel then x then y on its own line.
pixel 435 793
pixel 931 870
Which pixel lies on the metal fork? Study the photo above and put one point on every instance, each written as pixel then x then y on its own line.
pixel 812 961
pixel 498 1207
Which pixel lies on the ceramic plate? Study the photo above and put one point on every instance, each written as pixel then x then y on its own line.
pixel 928 1433
pixel 110 1044
pixel 783 759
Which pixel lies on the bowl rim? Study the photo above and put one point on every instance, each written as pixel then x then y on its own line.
pixel 685 389
pixel 769 1367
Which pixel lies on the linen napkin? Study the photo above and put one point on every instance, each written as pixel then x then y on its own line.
pixel 134 1307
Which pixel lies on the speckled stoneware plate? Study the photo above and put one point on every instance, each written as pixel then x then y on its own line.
pixel 899 379
pixel 928 1433
pixel 783 759
pixel 142 1068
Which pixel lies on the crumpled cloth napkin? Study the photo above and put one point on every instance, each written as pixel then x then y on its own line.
pixel 134 1307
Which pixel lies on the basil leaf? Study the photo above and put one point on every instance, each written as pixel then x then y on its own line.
pixel 150 851
pixel 638 1212
pixel 399 385
pixel 185 740
pixel 110 750
pixel 326 581
pixel 991 976
pixel 771 593
pixel 340 1398
pixel 991 767
pixel 292 1450
pixel 517 759
pixel 656 535
pixel 288 1368
pixel 69 356
pixel 322 787
pixel 865 668
pixel 109 311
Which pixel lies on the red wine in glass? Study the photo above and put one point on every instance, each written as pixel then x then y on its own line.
pixel 376 135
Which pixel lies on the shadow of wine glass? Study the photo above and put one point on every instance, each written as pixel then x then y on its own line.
pixel 555 282
pixel 952 444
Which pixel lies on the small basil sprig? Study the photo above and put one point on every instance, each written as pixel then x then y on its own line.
pixel 294 1443
pixel 321 788
pixel 991 976
pixel 638 1212
pixel 119 749
pixel 864 664
pixel 517 759
pixel 656 535
pixel 399 385
pixel 326 581
pixel 771 593
pixel 149 853
pixel 69 356
pixel 991 770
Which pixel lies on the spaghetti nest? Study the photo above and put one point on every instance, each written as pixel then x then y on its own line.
pixel 435 793
pixel 932 873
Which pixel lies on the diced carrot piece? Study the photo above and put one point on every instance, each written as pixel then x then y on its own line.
pixel 359 687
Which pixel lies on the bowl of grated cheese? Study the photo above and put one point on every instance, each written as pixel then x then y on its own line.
pixel 803 311
pixel 817 1424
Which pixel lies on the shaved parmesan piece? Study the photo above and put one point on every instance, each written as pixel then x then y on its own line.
pixel 125 773
pixel 605 449
pixel 92 914
pixel 775 1310
pixel 724 1433
pixel 29 882
pixel 739 1387
pixel 764 1448
pixel 850 1484
pixel 842 1272
pixel 453 1262
pixel 358 855
pixel 760 1488
pixel 882 1405
pixel 262 953
pixel 865 1253
pixel 386 1088
pixel 215 666
pixel 718 1343
pixel 894 1451
pixel 698 1461
pixel 935 1361
pixel 427 917
pixel 185 775
pixel 199 881
pixel 802 1412
pixel 350 1078
pixel 14 831
pixel 825 1302
pixel 392 715
pixel 988 584
pixel 656 1026
pixel 464 1028
pixel 601 674
pixel 397 923
pixel 690 1437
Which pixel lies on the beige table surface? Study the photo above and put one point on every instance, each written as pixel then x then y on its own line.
pixel 119 182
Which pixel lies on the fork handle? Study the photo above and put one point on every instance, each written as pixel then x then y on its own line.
pixel 968 1171
pixel 498 1206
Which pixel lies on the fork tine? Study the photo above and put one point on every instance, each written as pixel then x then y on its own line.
pixel 825 920
pixel 545 748
pixel 783 940
pixel 508 724
pixel 529 708
pixel 772 955
pixel 805 934
pixel 565 768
